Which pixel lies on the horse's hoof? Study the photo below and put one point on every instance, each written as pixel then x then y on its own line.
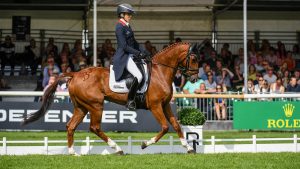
pixel 75 154
pixel 144 145
pixel 191 152
pixel 120 153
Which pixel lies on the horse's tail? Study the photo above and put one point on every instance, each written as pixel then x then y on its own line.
pixel 47 100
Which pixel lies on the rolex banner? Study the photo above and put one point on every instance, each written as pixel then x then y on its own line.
pixel 277 115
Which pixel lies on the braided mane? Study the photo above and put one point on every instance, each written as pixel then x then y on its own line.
pixel 170 47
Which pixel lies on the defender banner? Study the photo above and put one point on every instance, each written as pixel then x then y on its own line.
pixel 277 115
pixel 115 117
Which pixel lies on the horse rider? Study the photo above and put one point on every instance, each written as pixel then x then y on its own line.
pixel 127 50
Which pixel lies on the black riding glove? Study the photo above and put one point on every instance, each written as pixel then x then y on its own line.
pixel 142 55
pixel 145 56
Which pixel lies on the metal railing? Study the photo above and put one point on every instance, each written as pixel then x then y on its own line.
pixel 207 102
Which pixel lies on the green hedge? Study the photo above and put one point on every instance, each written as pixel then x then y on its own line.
pixel 191 116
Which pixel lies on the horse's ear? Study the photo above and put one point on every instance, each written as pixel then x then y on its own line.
pixel 197 48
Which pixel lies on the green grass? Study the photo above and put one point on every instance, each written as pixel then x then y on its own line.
pixel 163 161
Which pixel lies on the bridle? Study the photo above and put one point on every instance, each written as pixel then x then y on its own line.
pixel 184 69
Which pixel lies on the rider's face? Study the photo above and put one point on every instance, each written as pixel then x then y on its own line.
pixel 127 17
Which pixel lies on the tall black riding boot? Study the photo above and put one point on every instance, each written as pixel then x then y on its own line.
pixel 131 95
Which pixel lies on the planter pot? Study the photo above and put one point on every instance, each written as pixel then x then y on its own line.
pixel 193 133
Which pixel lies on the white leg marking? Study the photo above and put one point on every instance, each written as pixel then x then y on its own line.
pixel 72 151
pixel 185 144
pixel 113 145
pixel 151 141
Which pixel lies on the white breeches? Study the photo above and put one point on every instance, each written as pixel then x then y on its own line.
pixel 133 69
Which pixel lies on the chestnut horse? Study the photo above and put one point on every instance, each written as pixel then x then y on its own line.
pixel 89 88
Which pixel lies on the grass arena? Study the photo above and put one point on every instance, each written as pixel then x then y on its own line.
pixel 224 160
pixel 149 84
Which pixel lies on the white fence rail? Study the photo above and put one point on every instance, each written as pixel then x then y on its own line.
pixel 130 148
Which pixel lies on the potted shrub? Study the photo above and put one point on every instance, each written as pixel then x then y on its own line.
pixel 191 120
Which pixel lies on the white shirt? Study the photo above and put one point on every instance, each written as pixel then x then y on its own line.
pixel 123 20
pixel 271 79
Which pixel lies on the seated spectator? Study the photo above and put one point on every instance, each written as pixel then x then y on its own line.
pixel 77 49
pixel 207 49
pixel 282 69
pixel 269 76
pixel 250 87
pixel 258 75
pixel 239 60
pixel 219 67
pixel 286 78
pixel 65 68
pixel 293 86
pixel 252 72
pixel 210 83
pixel 281 53
pixel 179 81
pixel 259 86
pixel 259 65
pixel 297 76
pixel 220 105
pixel 201 90
pixel 238 78
pixel 291 63
pixel 64 59
pixel 48 70
pixel 52 49
pixel 271 58
pixel 211 61
pixel 75 63
pixel 201 70
pixel 7 53
pixel 225 78
pixel 277 87
pixel 32 56
pixel 252 53
pixel 191 86
pixel 265 87
pixel 66 50
pixel 206 70
pixel 226 57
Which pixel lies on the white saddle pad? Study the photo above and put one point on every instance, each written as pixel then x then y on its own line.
pixel 120 86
